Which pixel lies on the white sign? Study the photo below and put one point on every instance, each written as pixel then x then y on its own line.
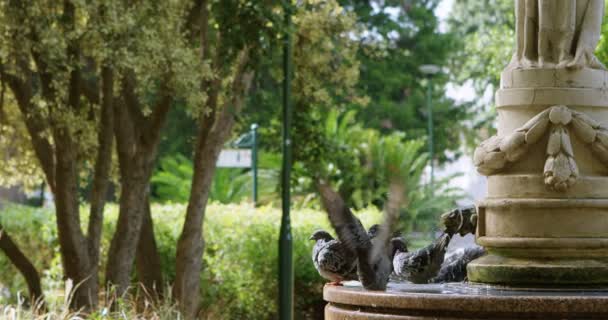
pixel 234 158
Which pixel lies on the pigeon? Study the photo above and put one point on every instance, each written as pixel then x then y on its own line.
pixel 421 265
pixel 454 269
pixel 331 259
pixel 460 220
pixel 398 244
pixel 374 265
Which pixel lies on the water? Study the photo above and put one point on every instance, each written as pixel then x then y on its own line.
pixel 474 289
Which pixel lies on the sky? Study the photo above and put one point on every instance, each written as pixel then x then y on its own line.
pixel 472 182
pixel 458 93
pixel 443 11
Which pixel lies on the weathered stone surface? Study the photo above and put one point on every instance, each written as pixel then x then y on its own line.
pixel 499 269
pixel 545 220
pixel 457 301
pixel 557 34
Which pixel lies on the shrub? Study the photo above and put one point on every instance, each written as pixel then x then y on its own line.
pixel 240 276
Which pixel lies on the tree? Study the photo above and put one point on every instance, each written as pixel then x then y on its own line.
pixel 43 64
pixel 232 49
pixel 325 76
pixel 399 37
pixel 80 76
pixel 488 31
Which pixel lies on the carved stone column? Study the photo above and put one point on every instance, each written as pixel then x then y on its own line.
pixel 545 220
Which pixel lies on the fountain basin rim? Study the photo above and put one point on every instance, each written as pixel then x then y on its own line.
pixel 494 303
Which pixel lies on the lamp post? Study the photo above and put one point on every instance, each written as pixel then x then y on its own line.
pixel 429 70
pixel 285 237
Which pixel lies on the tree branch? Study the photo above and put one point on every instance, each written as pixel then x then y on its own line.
pixel 73 54
pixel 213 87
pixel 2 96
pixel 33 122
pixel 89 90
pixel 204 26
pixel 240 85
pixel 158 117
pixel 24 265
pixel 103 163
pixel 196 18
pixel 132 101
pixel 124 132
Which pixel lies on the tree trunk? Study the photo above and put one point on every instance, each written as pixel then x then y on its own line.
pixel 24 265
pixel 73 244
pixel 124 242
pixel 137 139
pixel 149 271
pixel 190 246
pixel 59 159
pixel 213 133
pixel 101 178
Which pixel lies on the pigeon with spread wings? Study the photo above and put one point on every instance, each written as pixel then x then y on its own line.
pixel 374 264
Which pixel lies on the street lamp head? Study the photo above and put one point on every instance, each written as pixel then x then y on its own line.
pixel 429 69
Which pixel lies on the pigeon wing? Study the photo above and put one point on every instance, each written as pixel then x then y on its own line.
pixel 391 218
pixel 348 228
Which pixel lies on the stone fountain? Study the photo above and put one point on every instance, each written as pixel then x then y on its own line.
pixel 545 220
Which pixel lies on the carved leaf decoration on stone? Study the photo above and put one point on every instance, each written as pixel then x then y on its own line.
pixel 592 133
pixel 560 170
pixel 495 153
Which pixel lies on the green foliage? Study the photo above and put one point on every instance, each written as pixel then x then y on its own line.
pixel 398 38
pixel 153 49
pixel 171 183
pixel 240 264
pixel 602 48
pixel 364 161
pixel 18 164
pixel 33 229
pixel 325 74
pixel 487 28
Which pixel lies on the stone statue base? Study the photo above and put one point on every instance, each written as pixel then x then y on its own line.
pixel 462 301
pixel 545 219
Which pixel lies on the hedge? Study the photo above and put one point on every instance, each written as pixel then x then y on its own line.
pixel 240 276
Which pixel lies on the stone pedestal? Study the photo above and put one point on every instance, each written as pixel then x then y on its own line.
pixel 461 301
pixel 545 220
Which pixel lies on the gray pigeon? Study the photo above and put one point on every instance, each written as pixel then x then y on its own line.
pixel 398 244
pixel 331 259
pixel 460 220
pixel 454 269
pixel 421 265
pixel 374 265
